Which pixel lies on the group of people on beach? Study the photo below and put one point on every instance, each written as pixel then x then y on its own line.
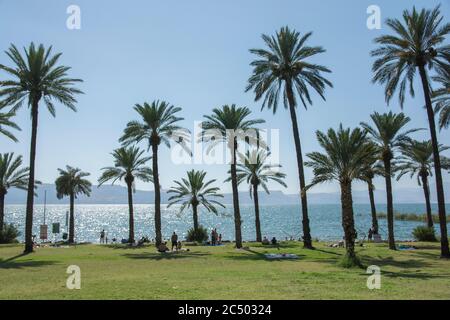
pixel 176 244
pixel 216 239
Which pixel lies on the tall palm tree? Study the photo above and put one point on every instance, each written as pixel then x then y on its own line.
pixel 372 168
pixel 344 158
pixel 283 69
pixel 36 78
pixel 158 123
pixel 195 191
pixel 417 159
pixel 441 97
pixel 12 175
pixel 5 121
pixel 417 44
pixel 129 164
pixel 71 183
pixel 254 170
pixel 227 125
pixel 388 134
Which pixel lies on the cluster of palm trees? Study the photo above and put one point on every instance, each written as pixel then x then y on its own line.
pixel 282 73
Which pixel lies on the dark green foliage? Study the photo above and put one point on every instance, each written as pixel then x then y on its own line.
pixel 424 233
pixel 9 234
pixel 197 235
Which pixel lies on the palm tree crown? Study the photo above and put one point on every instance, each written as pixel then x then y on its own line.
pixel 255 171
pixel 5 121
pixel 158 124
pixel 387 132
pixel 11 173
pixel 38 77
pixel 417 42
pixel 71 182
pixel 284 63
pixel 129 163
pixel 345 156
pixel 217 126
pixel 442 97
pixel 417 159
pixel 194 191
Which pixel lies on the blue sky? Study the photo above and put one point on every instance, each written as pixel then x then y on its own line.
pixel 193 54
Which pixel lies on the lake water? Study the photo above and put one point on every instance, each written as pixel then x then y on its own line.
pixel 279 221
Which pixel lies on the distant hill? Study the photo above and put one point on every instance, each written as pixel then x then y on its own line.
pixel 108 194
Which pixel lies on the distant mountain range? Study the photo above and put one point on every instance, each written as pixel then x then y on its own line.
pixel 108 194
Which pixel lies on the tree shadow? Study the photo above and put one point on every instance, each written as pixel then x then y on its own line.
pixel 390 261
pixel 11 263
pixel 165 256
pixel 413 275
pixel 126 246
pixel 256 255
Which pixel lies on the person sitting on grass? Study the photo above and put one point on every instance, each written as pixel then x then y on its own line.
pixel 163 247
pixel 274 241
pixel 265 241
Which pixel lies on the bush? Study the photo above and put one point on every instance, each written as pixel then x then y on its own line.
pixel 8 234
pixel 424 233
pixel 199 235
pixel 350 262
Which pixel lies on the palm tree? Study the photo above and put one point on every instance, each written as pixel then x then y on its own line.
pixel 388 135
pixel 442 97
pixel 129 164
pixel 417 159
pixel 227 125
pixel 254 170
pixel 372 168
pixel 283 69
pixel 5 121
pixel 416 45
pixel 195 191
pixel 158 123
pixel 343 161
pixel 71 183
pixel 12 175
pixel 36 78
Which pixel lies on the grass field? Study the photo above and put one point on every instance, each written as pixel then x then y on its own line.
pixel 109 272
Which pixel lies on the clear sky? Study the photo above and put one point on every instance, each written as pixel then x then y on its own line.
pixel 194 54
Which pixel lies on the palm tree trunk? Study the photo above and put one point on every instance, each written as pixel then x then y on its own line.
pixel 195 216
pixel 158 233
pixel 30 190
pixel 234 185
pixel 257 221
pixel 373 209
pixel 348 222
pixel 131 214
pixel 390 204
pixel 72 219
pixel 445 252
pixel 426 192
pixel 2 210
pixel 301 175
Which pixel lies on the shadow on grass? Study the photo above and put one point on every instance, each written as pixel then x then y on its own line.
pixel 390 261
pixel 249 254
pixel 11 263
pixel 414 275
pixel 127 246
pixel 165 256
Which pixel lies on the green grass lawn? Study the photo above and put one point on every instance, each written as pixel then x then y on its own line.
pixel 109 272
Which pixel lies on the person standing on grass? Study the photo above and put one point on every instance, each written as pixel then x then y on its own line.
pixel 174 240
pixel 102 236
pixel 213 238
